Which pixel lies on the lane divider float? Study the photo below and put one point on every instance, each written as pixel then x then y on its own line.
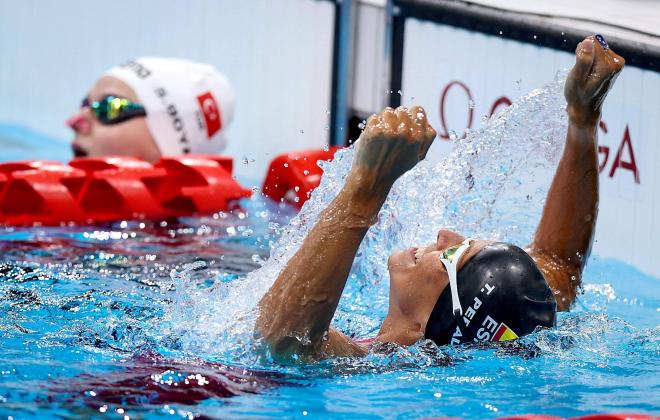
pixel 292 177
pixel 89 190
pixel 92 190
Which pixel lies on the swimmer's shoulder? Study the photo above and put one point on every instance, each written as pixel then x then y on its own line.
pixel 563 279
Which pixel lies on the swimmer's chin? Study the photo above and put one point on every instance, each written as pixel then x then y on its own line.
pixel 78 151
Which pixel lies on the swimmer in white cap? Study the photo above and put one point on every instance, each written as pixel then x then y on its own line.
pixel 149 107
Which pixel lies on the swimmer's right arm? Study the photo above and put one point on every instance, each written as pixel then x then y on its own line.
pixel 295 314
pixel 563 239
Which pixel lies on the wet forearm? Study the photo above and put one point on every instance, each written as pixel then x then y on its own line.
pixel 296 313
pixel 569 217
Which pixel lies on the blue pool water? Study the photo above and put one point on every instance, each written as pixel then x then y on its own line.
pixel 154 319
pixel 85 311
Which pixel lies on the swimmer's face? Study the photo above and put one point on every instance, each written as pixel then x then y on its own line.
pixel 417 278
pixel 128 138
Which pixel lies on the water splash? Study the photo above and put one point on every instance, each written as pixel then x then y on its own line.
pixel 492 186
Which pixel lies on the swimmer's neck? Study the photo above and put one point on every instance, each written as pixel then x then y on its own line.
pixel 401 329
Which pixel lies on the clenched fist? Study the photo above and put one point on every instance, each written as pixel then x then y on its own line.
pixel 593 75
pixel 391 144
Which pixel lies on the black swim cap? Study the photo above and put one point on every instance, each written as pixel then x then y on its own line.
pixel 503 295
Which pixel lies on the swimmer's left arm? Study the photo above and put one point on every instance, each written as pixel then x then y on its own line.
pixel 295 314
pixel 562 242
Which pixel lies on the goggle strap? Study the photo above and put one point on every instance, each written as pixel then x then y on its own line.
pixel 451 266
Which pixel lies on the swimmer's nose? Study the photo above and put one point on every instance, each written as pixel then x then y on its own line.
pixel 447 238
pixel 442 240
pixel 79 123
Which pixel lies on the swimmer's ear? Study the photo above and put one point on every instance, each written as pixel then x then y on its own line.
pixel 584 59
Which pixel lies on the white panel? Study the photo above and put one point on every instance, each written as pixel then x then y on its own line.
pixel 638 16
pixel 492 67
pixel 369 81
pixel 276 53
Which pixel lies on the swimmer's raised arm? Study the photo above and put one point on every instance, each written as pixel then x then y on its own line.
pixel 295 314
pixel 563 239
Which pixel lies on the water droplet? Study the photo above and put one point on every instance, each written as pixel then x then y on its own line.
pixel 471 104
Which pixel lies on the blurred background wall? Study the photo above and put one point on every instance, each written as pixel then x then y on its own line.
pixel 276 53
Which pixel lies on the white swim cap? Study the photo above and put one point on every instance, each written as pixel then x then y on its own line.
pixel 189 105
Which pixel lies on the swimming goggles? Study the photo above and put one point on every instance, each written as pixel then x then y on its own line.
pixel 450 258
pixel 114 110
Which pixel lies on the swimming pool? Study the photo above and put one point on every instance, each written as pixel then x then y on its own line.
pixel 153 319
pixel 84 312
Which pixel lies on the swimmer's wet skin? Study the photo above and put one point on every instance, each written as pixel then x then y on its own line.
pixel 502 292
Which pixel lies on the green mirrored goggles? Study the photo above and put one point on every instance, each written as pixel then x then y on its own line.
pixel 114 110
pixel 449 253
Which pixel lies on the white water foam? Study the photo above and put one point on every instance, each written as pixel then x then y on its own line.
pixel 492 186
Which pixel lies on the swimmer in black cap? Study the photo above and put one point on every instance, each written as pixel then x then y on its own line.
pixel 457 289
